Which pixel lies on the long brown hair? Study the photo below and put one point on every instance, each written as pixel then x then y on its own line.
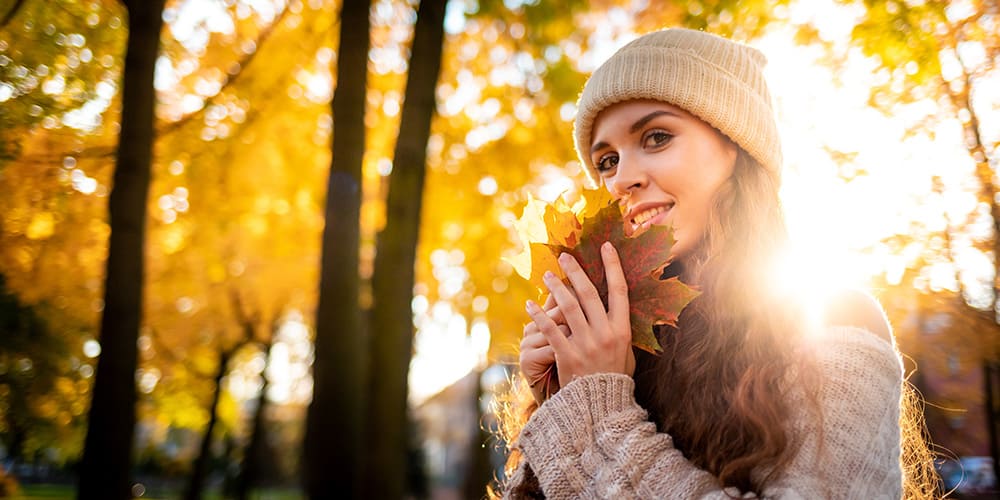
pixel 731 354
pixel 719 386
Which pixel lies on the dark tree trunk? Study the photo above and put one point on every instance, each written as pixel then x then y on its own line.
pixel 334 422
pixel 106 463
pixel 11 12
pixel 479 471
pixel 200 467
pixel 962 100
pixel 392 282
pixel 990 405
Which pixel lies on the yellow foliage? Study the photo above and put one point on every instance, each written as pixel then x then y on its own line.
pixel 172 239
pixel 216 273
pixel 41 227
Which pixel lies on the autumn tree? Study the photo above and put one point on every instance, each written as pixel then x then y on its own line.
pixel 59 65
pixel 242 142
pixel 36 378
pixel 944 53
pixel 234 208
pixel 391 324
pixel 105 467
pixel 333 442
pixel 226 214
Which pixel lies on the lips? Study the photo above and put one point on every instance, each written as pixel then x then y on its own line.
pixel 645 215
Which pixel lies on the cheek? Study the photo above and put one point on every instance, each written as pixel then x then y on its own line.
pixel 690 222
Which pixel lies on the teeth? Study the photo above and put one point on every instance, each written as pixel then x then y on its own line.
pixel 648 214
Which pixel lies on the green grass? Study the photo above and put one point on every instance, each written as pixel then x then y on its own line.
pixel 46 492
pixel 64 492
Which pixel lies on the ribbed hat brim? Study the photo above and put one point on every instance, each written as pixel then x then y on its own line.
pixel 739 109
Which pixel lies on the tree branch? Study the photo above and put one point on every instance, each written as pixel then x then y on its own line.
pixel 10 13
pixel 230 81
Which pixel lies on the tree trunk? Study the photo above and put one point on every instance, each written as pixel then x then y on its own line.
pixel 200 467
pixel 334 422
pixel 961 99
pixel 392 281
pixel 479 470
pixel 106 463
pixel 989 389
pixel 11 12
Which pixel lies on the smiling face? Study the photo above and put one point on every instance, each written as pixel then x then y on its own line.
pixel 664 165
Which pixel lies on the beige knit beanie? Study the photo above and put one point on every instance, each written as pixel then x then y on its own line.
pixel 715 79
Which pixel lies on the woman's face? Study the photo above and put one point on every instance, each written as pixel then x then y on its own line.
pixel 664 165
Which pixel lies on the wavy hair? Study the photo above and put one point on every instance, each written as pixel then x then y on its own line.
pixel 731 354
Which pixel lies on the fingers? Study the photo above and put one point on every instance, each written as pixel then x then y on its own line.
pixel 552 309
pixel 553 334
pixel 618 312
pixel 568 304
pixel 586 294
pixel 550 302
pixel 557 316
pixel 542 356
pixel 537 339
pixel 537 365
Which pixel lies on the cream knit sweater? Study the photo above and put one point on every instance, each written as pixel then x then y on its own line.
pixel 591 439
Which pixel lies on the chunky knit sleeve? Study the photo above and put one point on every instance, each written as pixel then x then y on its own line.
pixel 591 440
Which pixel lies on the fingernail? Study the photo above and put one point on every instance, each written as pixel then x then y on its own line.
pixel 606 247
pixel 530 306
pixel 564 257
pixel 548 275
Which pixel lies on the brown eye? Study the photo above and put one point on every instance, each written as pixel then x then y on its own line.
pixel 657 138
pixel 607 162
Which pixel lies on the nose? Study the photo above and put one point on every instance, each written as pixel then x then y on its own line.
pixel 628 177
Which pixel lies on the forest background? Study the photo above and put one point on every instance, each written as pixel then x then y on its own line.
pixel 247 244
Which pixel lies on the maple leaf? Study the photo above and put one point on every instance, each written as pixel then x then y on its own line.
pixel 542 224
pixel 580 231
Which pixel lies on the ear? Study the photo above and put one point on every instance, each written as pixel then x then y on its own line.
pixel 857 308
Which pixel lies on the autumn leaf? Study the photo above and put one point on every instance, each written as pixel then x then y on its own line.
pixel 580 230
pixel 541 224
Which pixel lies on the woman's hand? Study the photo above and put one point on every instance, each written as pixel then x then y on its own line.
pixel 537 358
pixel 599 340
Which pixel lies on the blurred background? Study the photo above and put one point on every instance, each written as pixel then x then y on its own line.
pixel 183 238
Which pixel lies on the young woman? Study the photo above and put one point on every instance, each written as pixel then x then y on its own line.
pixel 748 398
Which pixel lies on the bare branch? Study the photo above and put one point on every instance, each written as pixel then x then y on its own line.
pixel 230 81
pixel 10 13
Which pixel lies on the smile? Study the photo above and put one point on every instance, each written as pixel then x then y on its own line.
pixel 650 216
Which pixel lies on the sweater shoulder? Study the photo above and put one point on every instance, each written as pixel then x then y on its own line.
pixel 853 307
pixel 852 355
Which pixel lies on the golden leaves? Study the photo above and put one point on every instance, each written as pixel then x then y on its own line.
pixel 41 227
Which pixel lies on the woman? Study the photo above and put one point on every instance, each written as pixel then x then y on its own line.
pixel 748 398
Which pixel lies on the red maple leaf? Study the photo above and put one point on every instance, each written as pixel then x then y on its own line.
pixel 652 301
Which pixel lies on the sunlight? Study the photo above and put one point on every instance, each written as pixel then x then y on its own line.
pixel 814 275
pixel 445 349
pixel 288 371
pixel 852 176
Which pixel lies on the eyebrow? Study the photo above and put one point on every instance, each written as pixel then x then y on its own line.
pixel 641 122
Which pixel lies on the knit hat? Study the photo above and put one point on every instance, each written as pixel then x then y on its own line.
pixel 715 79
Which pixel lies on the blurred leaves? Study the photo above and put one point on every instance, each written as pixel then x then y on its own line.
pixel 243 149
pixel 243 153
